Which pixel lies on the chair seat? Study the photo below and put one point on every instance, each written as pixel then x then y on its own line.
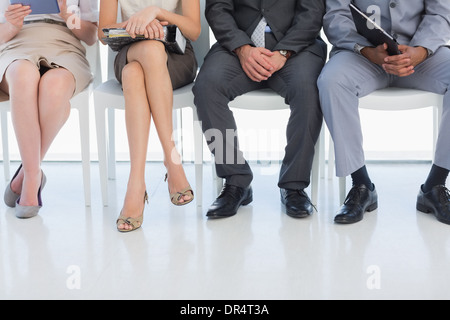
pixel 263 99
pixel 393 98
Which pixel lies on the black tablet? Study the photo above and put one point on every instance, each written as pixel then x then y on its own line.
pixel 372 31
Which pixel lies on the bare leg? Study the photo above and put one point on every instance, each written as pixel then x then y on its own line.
pixel 138 119
pixel 39 108
pixel 23 83
pixel 56 88
pixel 151 55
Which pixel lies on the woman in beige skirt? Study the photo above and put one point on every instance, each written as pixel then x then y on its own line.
pixel 149 73
pixel 42 66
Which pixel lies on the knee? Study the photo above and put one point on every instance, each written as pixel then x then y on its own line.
pixel 208 84
pixel 22 74
pixel 57 84
pixel 323 82
pixel 329 81
pixel 132 76
pixel 152 51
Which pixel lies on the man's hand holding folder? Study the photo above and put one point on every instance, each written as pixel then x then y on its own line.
pixel 401 65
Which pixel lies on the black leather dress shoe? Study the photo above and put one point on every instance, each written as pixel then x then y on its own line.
pixel 437 202
pixel 359 200
pixel 297 203
pixel 229 201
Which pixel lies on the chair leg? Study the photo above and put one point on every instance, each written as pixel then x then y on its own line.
pixel 5 145
pixel 322 152
pixel 111 144
pixel 100 122
pixel 198 159
pixel 85 153
pixel 315 172
pixel 437 114
pixel 178 132
pixel 331 159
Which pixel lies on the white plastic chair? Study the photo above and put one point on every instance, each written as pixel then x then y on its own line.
pixel 80 102
pixel 109 96
pixel 267 99
pixel 394 99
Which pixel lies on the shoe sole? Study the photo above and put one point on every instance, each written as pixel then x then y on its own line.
pixel 246 202
pixel 425 209
pixel 370 208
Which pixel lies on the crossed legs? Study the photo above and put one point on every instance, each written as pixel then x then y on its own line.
pixel 148 94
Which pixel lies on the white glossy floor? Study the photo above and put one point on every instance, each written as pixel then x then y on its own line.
pixel 74 252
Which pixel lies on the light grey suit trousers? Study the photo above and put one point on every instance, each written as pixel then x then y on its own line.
pixel 349 76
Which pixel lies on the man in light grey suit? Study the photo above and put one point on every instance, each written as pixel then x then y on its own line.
pixel 357 68
pixel 262 44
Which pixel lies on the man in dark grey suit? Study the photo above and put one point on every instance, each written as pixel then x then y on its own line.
pixel 287 57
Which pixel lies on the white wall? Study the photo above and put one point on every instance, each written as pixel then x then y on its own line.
pixel 388 136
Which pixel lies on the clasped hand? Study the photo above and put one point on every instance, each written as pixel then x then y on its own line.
pixel 145 23
pixel 259 63
pixel 401 65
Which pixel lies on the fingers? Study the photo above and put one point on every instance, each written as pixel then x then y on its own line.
pixel 400 65
pixel 17 10
pixel 257 66
pixel 135 27
pixel 153 30
pixel 16 13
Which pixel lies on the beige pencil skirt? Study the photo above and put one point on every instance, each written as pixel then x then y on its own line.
pixel 48 46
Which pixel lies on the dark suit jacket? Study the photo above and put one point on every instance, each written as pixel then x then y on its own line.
pixel 296 24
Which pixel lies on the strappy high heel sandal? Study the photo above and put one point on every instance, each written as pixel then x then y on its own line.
pixel 176 196
pixel 135 223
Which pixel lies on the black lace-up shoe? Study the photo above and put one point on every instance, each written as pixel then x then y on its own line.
pixel 437 202
pixel 360 199
pixel 297 203
pixel 229 201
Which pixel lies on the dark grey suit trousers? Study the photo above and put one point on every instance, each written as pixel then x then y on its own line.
pixel 221 79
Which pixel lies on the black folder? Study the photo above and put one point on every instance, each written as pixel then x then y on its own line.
pixel 174 40
pixel 373 32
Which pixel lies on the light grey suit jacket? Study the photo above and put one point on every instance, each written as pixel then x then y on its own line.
pixel 423 23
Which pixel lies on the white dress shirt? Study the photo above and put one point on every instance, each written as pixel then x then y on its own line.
pixel 130 7
pixel 86 9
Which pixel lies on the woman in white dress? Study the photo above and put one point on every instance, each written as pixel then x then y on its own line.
pixel 42 66
pixel 149 74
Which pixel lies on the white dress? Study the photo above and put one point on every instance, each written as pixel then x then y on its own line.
pixel 130 7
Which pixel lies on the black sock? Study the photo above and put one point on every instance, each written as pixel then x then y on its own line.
pixel 362 177
pixel 437 177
